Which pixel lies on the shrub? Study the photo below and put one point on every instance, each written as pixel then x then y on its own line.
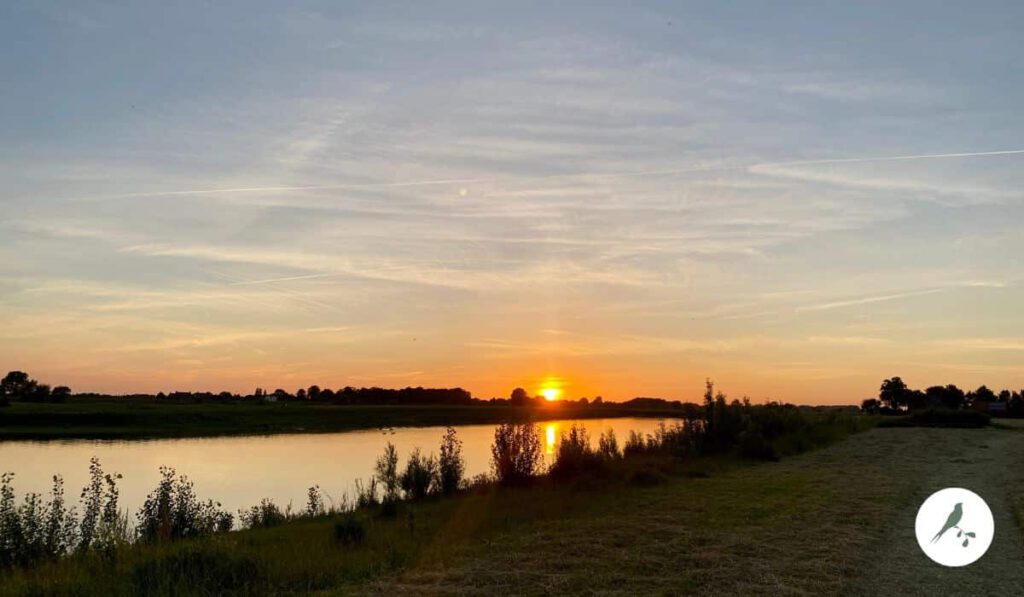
pixel 420 476
pixel 574 456
pixel 264 515
pixel 36 530
pixel 608 445
pixel 172 512
pixel 102 525
pixel 386 471
pixel 634 444
pixel 451 465
pixel 516 454
pixel 349 531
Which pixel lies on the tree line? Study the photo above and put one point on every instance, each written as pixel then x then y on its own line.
pixel 18 385
pixel 895 397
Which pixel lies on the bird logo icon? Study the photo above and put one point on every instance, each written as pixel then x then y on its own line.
pixel 954 527
pixel 953 522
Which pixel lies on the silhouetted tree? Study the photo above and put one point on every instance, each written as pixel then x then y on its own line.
pixel 60 394
pixel 870 405
pixel 313 393
pixel 18 386
pixel 982 394
pixel 300 394
pixel 519 397
pixel 893 393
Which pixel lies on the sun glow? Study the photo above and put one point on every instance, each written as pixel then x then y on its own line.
pixel 550 394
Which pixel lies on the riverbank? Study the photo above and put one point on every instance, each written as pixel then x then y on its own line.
pixel 134 419
pixel 835 520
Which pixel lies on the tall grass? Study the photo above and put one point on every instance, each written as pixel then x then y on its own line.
pixel 44 529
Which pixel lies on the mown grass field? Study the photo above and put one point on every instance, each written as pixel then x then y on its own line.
pixel 136 419
pixel 837 520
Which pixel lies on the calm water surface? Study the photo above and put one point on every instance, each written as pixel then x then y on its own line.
pixel 239 471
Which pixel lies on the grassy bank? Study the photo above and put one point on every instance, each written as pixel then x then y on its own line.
pixel 133 419
pixel 424 537
pixel 835 520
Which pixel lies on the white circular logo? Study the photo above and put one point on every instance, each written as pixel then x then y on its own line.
pixel 954 527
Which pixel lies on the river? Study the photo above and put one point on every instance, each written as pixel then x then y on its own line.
pixel 239 471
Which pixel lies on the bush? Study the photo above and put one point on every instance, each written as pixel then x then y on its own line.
pixel 516 454
pixel 608 445
pixel 420 476
pixel 634 444
pixel 574 456
pixel 39 530
pixel 386 471
pixel 172 512
pixel 264 515
pixel 451 465
pixel 36 530
pixel 349 531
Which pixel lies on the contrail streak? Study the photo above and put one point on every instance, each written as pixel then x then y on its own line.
pixel 894 158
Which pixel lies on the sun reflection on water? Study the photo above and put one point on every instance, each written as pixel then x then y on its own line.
pixel 550 436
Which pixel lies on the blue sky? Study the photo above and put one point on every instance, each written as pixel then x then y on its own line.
pixel 620 200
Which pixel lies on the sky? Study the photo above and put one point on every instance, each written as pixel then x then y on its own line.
pixel 795 199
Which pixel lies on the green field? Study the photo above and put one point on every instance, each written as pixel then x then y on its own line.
pixel 837 520
pixel 138 419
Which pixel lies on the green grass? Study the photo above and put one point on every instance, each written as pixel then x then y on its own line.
pixel 137 419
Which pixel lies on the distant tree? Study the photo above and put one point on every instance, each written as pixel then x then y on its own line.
pixel 1005 395
pixel 519 397
pixel 300 394
pixel 60 394
pixel 983 394
pixel 915 399
pixel 313 393
pixel 18 385
pixel 870 405
pixel 598 401
pixel 281 395
pixel 949 396
pixel 893 393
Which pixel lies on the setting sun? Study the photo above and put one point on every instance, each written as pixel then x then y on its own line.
pixel 550 394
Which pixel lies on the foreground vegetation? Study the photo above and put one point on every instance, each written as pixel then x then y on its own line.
pixel 409 516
